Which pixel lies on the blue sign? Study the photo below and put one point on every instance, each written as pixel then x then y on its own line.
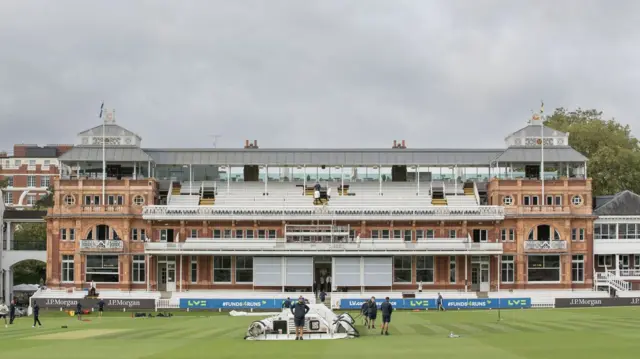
pixel 472 303
pixel 253 303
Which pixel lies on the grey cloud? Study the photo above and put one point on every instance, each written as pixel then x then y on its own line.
pixel 311 73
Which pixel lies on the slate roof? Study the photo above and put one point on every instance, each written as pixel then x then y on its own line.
pixel 625 203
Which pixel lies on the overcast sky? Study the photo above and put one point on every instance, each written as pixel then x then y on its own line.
pixel 312 73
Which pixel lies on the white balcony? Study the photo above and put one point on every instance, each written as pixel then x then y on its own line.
pixel 432 213
pixel 101 245
pixel 616 246
pixel 368 247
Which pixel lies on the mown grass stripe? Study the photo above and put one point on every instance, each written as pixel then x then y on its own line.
pixel 521 327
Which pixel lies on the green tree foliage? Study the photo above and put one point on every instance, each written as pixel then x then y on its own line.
pixel 30 232
pixel 45 201
pixel 4 182
pixel 29 272
pixel 613 152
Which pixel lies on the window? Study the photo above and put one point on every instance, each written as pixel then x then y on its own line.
pixel 250 233
pixel 419 234
pixel 577 268
pixel 69 200
pixel 31 200
pixel 375 234
pixel 138 274
pixel 31 181
pixel 452 233
pixel 194 233
pixel 507 234
pixel 424 269
pixel 397 234
pixel 535 201
pixel 194 269
pixel 91 200
pixel 526 201
pixel 72 234
pixel 115 200
pixel 430 234
pixel 138 234
pixel 408 236
pixel 544 232
pixel 138 200
pixel 558 201
pixel 272 234
pixel 222 269
pixel 577 234
pixel 244 269
pixel 507 200
pixel 102 269
pixel 227 233
pixel 63 234
pixel 576 200
pixel 44 181
pixel 636 262
pixel 262 234
pixel 508 269
pixel 548 200
pixel 385 233
pixel 239 234
pixel 217 233
pixel 46 164
pixel 402 269
pixel 32 163
pixel 452 269
pixel 67 269
pixel 604 231
pixel 605 260
pixel 628 231
pixel 543 268
pixel 8 197
pixel 10 181
pixel 17 163
pixel 479 235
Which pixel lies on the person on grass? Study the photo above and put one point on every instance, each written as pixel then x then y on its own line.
pixel 373 312
pixel 12 311
pixel 36 315
pixel 4 311
pixel 79 310
pixel 386 308
pixel 100 308
pixel 440 303
pixel 299 310
pixel 364 311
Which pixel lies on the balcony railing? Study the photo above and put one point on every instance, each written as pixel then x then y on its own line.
pixel 322 212
pixel 524 210
pixel 17 245
pixel 367 245
pixel 102 209
pixel 545 245
pixel 101 245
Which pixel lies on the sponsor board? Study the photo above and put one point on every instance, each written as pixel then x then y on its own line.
pixel 474 303
pixel 71 303
pixel 231 304
pixel 596 302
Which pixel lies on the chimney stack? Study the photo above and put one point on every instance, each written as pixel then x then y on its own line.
pixel 395 144
pixel 246 143
pixel 255 143
pixel 403 146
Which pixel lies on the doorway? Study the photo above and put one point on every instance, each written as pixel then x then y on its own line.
pixel 322 276
pixel 167 274
pixel 480 274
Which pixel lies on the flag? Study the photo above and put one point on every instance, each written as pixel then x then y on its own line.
pixel 541 107
pixel 101 108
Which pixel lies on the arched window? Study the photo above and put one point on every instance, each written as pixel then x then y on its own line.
pixel 103 232
pixel 543 232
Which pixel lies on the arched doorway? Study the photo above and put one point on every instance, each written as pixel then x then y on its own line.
pixel 102 232
pixel 543 232
pixel 25 271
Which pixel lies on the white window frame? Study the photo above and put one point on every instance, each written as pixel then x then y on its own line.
pixel 605 261
pixel 67 273
pixel 453 274
pixel 63 234
pixel 508 265
pixel 403 268
pixel 577 234
pixel 577 266
pixel 31 199
pixel 559 269
pixel 138 269
pixel 193 270
pixel 432 269
pixel 9 181
pixel 45 181
pixel 87 272
pixel 230 269
pixel 31 181
pixel 194 233
pixel 238 268
pixel 8 198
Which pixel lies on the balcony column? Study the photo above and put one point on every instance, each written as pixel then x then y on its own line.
pixel 617 265
pixel 9 238
pixel 135 170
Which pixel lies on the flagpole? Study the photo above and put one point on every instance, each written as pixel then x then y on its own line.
pixel 543 199
pixel 104 160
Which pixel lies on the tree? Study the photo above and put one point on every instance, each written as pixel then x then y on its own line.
pixel 45 201
pixel 613 153
pixel 4 183
pixel 30 232
pixel 29 272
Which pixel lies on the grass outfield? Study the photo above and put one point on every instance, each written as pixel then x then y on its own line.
pixel 551 333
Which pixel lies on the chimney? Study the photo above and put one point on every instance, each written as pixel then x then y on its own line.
pixel 255 143
pixel 403 146
pixel 246 143
pixel 395 144
pixel 3 154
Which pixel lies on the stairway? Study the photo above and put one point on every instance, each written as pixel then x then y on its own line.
pixel 439 201
pixel 175 191
pixel 610 280
pixel 469 191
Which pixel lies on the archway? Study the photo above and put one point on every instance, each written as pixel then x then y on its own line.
pixel 26 270
pixel 543 232
pixel 102 232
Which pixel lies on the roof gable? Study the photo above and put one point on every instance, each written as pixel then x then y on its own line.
pixel 625 203
pixel 109 130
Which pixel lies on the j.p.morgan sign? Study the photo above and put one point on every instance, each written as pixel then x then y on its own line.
pixel 596 302
pixel 87 304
